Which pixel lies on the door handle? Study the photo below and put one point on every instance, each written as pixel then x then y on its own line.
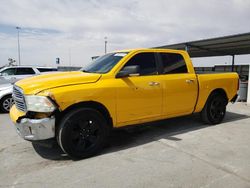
pixel 153 83
pixel 190 81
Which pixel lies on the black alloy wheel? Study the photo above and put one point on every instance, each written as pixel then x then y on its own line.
pixel 82 132
pixel 215 109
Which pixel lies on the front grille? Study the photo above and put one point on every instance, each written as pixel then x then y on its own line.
pixel 19 98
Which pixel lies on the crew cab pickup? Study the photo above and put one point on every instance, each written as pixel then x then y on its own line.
pixel 78 109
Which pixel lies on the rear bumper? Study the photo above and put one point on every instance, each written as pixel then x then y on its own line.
pixel 234 99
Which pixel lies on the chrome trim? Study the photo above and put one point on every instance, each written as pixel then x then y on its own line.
pixel 36 129
pixel 19 98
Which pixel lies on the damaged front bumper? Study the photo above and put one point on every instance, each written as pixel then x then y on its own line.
pixel 33 129
pixel 36 129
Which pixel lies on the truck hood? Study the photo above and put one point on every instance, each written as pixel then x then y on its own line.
pixel 36 84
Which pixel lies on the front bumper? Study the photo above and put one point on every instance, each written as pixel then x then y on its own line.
pixel 36 129
pixel 33 129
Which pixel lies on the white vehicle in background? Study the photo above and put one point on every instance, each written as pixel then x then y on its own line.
pixel 6 100
pixel 9 75
pixel 15 73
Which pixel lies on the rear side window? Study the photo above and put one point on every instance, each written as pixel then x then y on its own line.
pixel 173 63
pixel 146 63
pixel 25 71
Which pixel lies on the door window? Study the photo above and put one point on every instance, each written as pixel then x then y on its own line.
pixel 173 63
pixel 25 71
pixel 146 63
pixel 10 71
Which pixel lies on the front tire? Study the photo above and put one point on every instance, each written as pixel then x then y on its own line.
pixel 5 103
pixel 82 132
pixel 215 109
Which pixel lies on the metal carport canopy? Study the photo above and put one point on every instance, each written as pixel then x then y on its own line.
pixel 228 45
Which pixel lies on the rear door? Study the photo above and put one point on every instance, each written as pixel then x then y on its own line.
pixel 24 72
pixel 180 86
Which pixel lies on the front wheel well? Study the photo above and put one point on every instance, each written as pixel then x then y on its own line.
pixel 87 104
pixel 6 96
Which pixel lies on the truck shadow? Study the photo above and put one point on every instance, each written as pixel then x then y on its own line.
pixel 124 138
pixel 121 139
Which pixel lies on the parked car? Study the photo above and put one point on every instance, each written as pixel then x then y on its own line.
pixel 15 73
pixel 78 109
pixel 10 75
pixel 6 100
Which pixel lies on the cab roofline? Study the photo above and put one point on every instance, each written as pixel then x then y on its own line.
pixel 147 49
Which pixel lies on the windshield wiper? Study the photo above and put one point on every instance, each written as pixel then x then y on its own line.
pixel 85 71
pixel 90 71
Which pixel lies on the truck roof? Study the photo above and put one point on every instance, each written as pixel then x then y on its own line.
pixel 149 49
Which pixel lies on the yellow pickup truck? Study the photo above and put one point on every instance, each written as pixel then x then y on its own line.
pixel 78 109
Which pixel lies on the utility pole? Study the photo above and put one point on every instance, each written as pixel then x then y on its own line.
pixel 70 57
pixel 18 45
pixel 232 68
pixel 105 44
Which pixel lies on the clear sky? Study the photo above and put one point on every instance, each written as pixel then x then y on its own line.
pixel 74 30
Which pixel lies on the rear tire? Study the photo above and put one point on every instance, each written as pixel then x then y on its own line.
pixel 5 103
pixel 82 132
pixel 215 109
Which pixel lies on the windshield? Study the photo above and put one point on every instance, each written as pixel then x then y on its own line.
pixel 104 63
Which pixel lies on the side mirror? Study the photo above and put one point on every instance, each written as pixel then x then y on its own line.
pixel 127 71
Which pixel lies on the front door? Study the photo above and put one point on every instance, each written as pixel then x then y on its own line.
pixel 139 97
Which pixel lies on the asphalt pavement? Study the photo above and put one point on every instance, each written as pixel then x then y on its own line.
pixel 180 152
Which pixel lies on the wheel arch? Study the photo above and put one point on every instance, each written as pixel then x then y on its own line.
pixel 220 91
pixel 88 104
pixel 7 94
pixel 206 113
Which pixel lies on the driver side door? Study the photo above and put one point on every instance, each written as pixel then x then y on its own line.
pixel 139 97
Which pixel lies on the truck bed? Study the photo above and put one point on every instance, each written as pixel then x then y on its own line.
pixel 211 81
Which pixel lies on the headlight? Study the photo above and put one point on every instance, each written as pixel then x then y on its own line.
pixel 39 104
